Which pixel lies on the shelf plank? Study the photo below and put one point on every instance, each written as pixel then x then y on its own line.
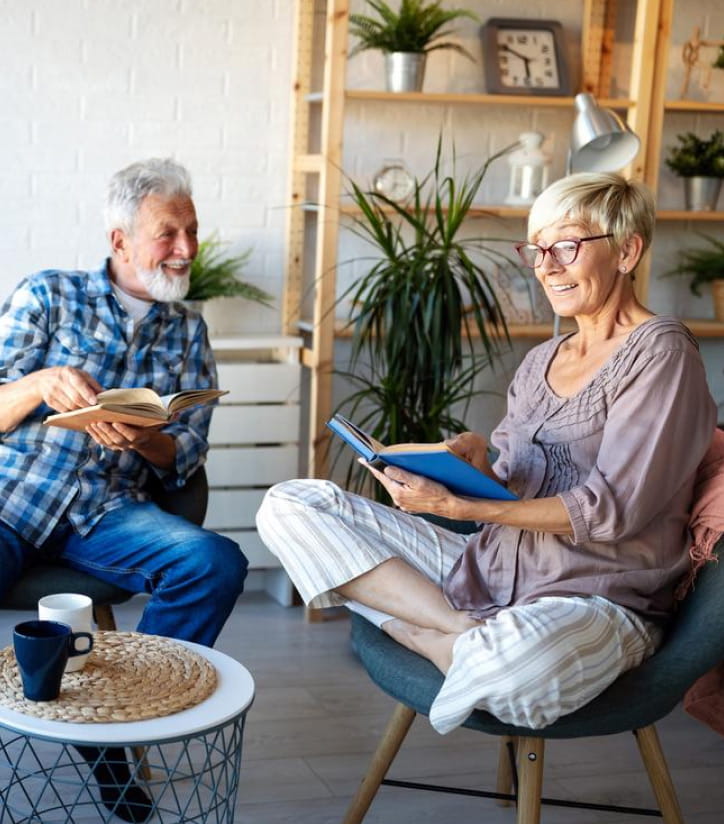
pixel 493 210
pixel 705 328
pixel 474 211
pixel 473 98
pixel 685 214
pixel 693 106
pixel 700 328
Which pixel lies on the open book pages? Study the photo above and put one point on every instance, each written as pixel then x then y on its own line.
pixel 136 407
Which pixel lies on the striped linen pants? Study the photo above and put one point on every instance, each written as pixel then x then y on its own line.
pixel 527 665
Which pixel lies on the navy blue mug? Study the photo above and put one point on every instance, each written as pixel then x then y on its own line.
pixel 42 649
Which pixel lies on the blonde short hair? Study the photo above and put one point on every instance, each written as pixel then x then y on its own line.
pixel 602 202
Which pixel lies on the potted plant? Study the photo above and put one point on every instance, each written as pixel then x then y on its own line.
pixel 425 317
pixel 406 37
pixel 704 265
pixel 215 275
pixel 700 161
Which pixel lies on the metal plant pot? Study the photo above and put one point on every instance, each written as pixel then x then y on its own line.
pixel 701 193
pixel 405 71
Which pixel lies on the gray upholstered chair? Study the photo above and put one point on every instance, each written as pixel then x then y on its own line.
pixel 44 579
pixel 639 698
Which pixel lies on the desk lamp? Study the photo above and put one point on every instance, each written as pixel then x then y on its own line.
pixel 600 142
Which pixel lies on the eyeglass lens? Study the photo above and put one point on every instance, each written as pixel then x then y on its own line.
pixel 564 252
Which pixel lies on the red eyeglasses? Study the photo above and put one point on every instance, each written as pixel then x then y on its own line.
pixel 564 252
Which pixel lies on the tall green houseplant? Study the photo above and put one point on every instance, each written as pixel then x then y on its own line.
pixel 425 317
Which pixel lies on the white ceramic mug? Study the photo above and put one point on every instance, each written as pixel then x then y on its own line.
pixel 72 609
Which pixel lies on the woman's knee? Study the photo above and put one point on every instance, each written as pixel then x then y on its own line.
pixel 295 497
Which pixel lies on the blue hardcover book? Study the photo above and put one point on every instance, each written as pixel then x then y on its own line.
pixel 434 460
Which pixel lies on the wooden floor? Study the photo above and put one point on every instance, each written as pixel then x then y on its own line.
pixel 316 718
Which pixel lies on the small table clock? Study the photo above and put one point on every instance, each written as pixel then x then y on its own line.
pixel 394 181
pixel 524 57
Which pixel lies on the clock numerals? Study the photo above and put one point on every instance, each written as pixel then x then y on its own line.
pixel 524 56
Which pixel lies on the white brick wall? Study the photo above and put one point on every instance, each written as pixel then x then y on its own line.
pixel 89 86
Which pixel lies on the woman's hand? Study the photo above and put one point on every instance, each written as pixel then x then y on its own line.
pixel 414 493
pixel 473 448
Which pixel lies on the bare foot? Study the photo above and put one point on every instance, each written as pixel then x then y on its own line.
pixel 432 644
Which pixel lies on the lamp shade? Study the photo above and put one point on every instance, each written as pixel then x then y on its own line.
pixel 600 140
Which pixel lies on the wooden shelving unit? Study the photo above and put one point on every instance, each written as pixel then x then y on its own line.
pixel 316 157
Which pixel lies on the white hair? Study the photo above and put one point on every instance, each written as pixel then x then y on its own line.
pixel 128 188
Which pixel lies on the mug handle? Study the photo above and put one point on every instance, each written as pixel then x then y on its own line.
pixel 74 637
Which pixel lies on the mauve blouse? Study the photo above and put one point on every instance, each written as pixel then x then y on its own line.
pixel 621 454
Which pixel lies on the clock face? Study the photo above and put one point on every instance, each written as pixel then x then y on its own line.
pixel 394 182
pixel 524 57
pixel 527 59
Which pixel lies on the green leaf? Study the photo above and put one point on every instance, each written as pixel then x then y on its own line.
pixel 422 312
pixel 418 26
pixel 214 274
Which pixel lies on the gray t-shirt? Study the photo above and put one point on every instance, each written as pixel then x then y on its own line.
pixel 621 454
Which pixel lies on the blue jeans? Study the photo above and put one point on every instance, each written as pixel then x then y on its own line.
pixel 194 576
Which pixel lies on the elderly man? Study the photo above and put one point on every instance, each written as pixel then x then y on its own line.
pixel 77 496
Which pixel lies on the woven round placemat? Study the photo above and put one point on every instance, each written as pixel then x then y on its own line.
pixel 128 676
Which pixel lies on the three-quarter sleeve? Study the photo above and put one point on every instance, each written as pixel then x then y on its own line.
pixel 657 428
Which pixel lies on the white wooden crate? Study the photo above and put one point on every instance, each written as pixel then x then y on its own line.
pixel 254 442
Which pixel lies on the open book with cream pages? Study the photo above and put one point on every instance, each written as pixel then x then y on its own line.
pixel 136 407
pixel 434 460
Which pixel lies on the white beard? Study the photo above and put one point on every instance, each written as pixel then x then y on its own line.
pixel 162 287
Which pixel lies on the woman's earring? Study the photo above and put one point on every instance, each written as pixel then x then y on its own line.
pixel 622 270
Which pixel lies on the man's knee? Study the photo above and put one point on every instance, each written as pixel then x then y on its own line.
pixel 221 562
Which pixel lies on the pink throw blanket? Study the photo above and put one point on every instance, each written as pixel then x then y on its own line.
pixel 704 700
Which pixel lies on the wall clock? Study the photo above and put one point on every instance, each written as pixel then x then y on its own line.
pixel 524 57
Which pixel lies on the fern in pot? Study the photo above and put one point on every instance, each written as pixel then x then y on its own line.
pixel 700 162
pixel 704 265
pixel 425 318
pixel 215 274
pixel 406 37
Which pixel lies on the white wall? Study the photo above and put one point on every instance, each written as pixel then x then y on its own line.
pixel 89 86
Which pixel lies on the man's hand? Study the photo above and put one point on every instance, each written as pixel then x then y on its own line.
pixel 155 446
pixel 64 388
pixel 414 493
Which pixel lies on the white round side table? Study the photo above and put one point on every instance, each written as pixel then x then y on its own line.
pixel 194 757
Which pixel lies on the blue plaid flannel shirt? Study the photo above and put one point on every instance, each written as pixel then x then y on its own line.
pixel 57 318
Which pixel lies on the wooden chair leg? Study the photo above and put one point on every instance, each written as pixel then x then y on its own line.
pixel 104 617
pixel 504 781
pixel 659 776
pixel 530 779
pixel 387 749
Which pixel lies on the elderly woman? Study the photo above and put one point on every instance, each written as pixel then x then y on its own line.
pixel 561 591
